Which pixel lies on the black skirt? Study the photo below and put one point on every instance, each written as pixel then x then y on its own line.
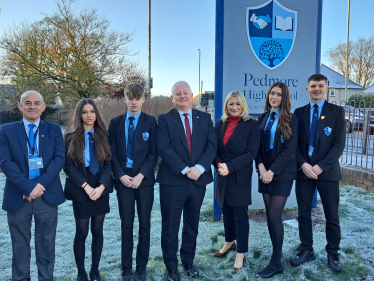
pixel 90 208
pixel 278 188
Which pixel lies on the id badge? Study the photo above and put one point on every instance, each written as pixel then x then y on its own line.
pixel 36 163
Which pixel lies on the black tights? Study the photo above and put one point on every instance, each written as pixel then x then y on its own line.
pixel 274 207
pixel 80 241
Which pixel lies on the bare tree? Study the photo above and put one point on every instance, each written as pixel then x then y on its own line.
pixel 360 60
pixel 67 53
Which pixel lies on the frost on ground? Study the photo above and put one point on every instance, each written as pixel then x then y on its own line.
pixel 357 246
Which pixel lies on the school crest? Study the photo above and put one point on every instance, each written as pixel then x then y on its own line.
pixel 271 32
pixel 145 136
pixel 328 131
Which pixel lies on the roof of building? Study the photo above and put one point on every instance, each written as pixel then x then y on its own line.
pixel 369 90
pixel 336 80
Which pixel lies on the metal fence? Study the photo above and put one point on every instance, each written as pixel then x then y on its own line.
pixel 359 146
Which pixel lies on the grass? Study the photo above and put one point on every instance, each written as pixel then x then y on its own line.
pixel 357 245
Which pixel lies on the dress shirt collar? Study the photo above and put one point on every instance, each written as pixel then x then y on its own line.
pixel 92 131
pixel 26 124
pixel 320 104
pixel 128 115
pixel 181 113
pixel 277 112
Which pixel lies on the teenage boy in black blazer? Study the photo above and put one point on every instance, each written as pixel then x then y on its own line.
pixel 321 143
pixel 132 138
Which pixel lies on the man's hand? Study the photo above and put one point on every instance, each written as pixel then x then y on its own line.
pixel 126 180
pixel 267 177
pixel 308 171
pixel 96 193
pixel 37 191
pixel 137 180
pixel 223 170
pixel 27 198
pixel 317 170
pixel 193 173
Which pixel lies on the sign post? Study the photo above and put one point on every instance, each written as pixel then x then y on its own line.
pixel 260 42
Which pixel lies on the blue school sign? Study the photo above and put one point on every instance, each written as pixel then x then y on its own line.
pixel 260 42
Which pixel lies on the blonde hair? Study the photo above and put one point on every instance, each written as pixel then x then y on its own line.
pixel 236 94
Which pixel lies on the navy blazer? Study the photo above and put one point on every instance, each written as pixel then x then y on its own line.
pixel 238 154
pixel 173 148
pixel 145 150
pixel 283 156
pixel 14 157
pixel 328 147
pixel 76 176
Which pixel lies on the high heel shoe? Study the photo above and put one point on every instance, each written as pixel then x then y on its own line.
pixel 235 268
pixel 221 255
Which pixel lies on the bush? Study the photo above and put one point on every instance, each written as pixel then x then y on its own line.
pixel 357 100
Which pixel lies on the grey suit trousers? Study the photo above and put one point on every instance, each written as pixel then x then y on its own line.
pixel 19 222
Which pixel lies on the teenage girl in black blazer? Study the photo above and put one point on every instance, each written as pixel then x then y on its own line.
pixel 277 166
pixel 238 139
pixel 88 181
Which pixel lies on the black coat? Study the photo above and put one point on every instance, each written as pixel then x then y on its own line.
pixel 238 154
pixel 145 150
pixel 283 156
pixel 76 176
pixel 174 152
pixel 328 148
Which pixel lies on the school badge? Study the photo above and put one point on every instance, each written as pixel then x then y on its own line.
pixel 145 136
pixel 271 32
pixel 328 131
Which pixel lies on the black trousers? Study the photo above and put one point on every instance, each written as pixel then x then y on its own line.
pixel 174 199
pixel 19 223
pixel 144 196
pixel 329 193
pixel 235 221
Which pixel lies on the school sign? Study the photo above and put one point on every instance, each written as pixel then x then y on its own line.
pixel 260 42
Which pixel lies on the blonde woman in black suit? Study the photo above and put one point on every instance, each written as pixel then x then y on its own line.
pixel 238 139
pixel 277 166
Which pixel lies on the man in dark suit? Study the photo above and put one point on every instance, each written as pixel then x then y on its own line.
pixel 32 155
pixel 321 143
pixel 187 145
pixel 134 156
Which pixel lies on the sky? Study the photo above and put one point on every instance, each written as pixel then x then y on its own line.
pixel 180 28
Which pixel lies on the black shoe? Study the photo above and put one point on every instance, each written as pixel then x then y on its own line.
pixel 140 273
pixel 173 275
pixel 82 277
pixel 125 274
pixel 334 262
pixel 302 257
pixel 95 275
pixel 269 271
pixel 191 271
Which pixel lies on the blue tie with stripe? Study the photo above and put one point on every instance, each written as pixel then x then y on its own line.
pixel 94 165
pixel 33 173
pixel 268 130
pixel 313 127
pixel 130 139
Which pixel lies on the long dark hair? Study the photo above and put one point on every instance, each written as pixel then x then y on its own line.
pixel 76 138
pixel 285 107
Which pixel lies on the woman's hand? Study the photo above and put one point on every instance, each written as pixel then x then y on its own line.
pixel 262 170
pixel 222 169
pixel 97 192
pixel 267 177
pixel 88 189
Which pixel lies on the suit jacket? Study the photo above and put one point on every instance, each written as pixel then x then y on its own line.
pixel 328 147
pixel 173 148
pixel 238 154
pixel 283 156
pixel 145 150
pixel 14 157
pixel 76 176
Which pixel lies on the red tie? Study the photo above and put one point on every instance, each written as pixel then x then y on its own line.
pixel 188 133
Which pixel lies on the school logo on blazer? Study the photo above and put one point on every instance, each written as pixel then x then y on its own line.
pixel 271 32
pixel 282 139
pixel 328 131
pixel 145 136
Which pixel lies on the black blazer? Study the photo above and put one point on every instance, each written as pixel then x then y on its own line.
pixel 328 148
pixel 283 156
pixel 76 176
pixel 145 150
pixel 173 148
pixel 238 154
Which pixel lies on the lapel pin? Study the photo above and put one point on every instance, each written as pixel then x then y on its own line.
pixel 322 117
pixel 42 136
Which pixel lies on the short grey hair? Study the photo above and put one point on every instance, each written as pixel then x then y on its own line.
pixel 180 83
pixel 23 96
